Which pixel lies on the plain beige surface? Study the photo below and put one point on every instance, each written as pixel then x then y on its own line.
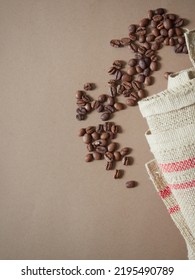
pixel 53 205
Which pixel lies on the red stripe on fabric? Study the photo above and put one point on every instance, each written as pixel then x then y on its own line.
pixel 165 193
pixel 177 166
pixel 185 185
pixel 174 209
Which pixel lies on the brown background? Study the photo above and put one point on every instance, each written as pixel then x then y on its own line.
pixel 53 205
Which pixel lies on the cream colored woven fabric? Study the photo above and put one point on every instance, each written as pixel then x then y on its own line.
pixel 171 136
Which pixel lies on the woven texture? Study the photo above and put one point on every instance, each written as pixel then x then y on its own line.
pixel 170 115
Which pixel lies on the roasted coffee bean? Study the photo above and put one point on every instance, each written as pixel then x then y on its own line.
pixel 109 108
pixel 87 138
pixel 132 28
pixel 142 64
pixel 160 39
pixel 97 156
pixel 171 32
pixel 154 66
pixel 113 82
pixel 127 92
pixel 179 22
pixel 153 23
pixel 112 147
pixel 109 165
pixel 138 69
pixel 131 70
pixel 156 46
pixel 168 23
pixel 130 184
pixel 181 40
pixel 88 107
pixel 157 18
pixel 146 45
pixel 112 70
pixel 100 142
pixel 81 102
pixel 80 117
pixel 132 62
pixel 166 75
pixel 81 111
pixel 118 64
pixel 101 149
pixel 127 85
pixel 102 98
pixel 166 41
pixel 105 116
pixel 178 48
pixel 86 98
pixel 88 86
pixel 159 11
pixel 132 37
pixel 133 47
pixel 125 41
pixel 126 160
pixel 100 108
pixel 90 129
pixel 134 95
pixel 155 32
pixel 100 128
pixel 109 156
pixel 136 85
pixel 178 31
pixel 79 94
pixel 88 157
pixel 160 25
pixel 141 31
pixel 110 100
pixel 107 126
pixel 118 106
pixel 141 93
pixel 148 81
pixel 126 78
pixel 118 75
pixel 82 131
pixel 141 50
pixel 149 53
pixel 172 42
pixel 104 135
pixel 150 38
pixel 144 22
pixel 95 104
pixel 131 102
pixel 95 135
pixel 118 174
pixel 147 72
pixel 116 43
pixel 117 156
pixel 171 16
pixel 147 60
pixel 90 147
pixel 140 78
pixel 185 49
pixel 120 90
pixel 114 129
pixel 164 32
pixel 142 38
pixel 150 14
pixel 113 91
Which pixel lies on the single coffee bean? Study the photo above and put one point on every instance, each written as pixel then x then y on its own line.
pixel 88 157
pixel 107 126
pixel 86 98
pixel 146 45
pixel 138 69
pixel 81 111
pixel 105 116
pixel 134 95
pixel 104 135
pixel 117 156
pixel 136 85
pixel 120 90
pixel 132 46
pixel 147 61
pixel 88 107
pixel 164 32
pixel 112 147
pixel 141 50
pixel 149 53
pixel 100 128
pixel 142 38
pixel 118 106
pixel 132 28
pixel 112 70
pixel 150 38
pixel 144 22
pixel 168 23
pixel 79 94
pixel 171 32
pixel 141 93
pixel 154 66
pixel 110 109
pixel 141 31
pixel 131 70
pixel 125 41
pixel 132 37
pixel 160 25
pixel 148 81
pixel 139 55
pixel 178 31
pixel 116 43
pixel 101 149
pixel 95 104
pixel 155 32
pixel 109 156
pixel 157 18
pixel 87 138
pixel 132 62
pixel 140 78
pixel 130 184
pixel 126 78
pixel 113 91
pixel 166 41
pixel 179 22
pixel 159 11
pixel 185 49
pixel 102 98
pixel 126 160
pixel 82 131
pixel 160 39
pixel 125 151
pixel 95 135
pixel 150 14
pixel 110 100
pixel 81 102
pixel 127 92
pixel 181 40
pixel 90 147
pixel 131 102
pixel 109 165
pixel 114 129
pixel 90 129
pixel 147 72
pixel 142 64
pixel 100 108
pixel 97 156
pixel 118 64
pixel 100 142
pixel 118 75
pixel 178 48
pixel 118 174
pixel 156 46
pixel 88 86
pixel 153 23
pixel 172 42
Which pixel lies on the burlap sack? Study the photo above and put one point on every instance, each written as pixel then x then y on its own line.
pixel 170 115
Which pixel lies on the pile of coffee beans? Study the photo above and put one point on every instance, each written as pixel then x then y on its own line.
pixel 129 80
pixel 100 145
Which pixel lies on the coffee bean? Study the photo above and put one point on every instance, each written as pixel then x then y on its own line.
pixel 112 70
pixel 150 14
pixel 101 149
pixel 88 107
pixel 132 28
pixel 118 75
pixel 100 128
pixel 138 69
pixel 178 48
pixel 90 147
pixel 100 142
pixel 171 16
pixel 88 86
pixel 125 41
pixel 79 94
pixel 107 126
pixel 159 11
pixel 109 156
pixel 86 98
pixel 100 108
pixel 126 78
pixel 172 42
pixel 104 135
pixel 95 135
pixel 155 32
pixel 166 75
pixel 102 98
pixel 127 92
pixel 166 41
pixel 130 184
pixel 116 43
pixel 141 93
pixel 88 157
pixel 110 109
pixel 157 18
pixel 136 85
pixel 156 46
pixel 109 165
pixel 134 95
pixel 146 45
pixel 171 32
pixel 153 23
pixel 87 138
pixel 132 37
pixel 81 102
pixel 141 50
pixel 142 64
pixel 147 72
pixel 118 64
pixel 132 62
pixel 168 23
pixel 131 102
pixel 179 22
pixel 113 91
pixel 82 131
pixel 118 106
pixel 149 53
pixel 133 47
pixel 90 129
pixel 118 174
pixel 120 90
pixel 114 129
pixel 126 160
pixel 124 151
pixel 97 156
pixel 148 81
pixel 105 116
pixel 81 111
pixel 144 22
pixel 185 49
pixel 164 32
pixel 160 25
pixel 142 38
pixel 178 31
pixel 181 40
pixel 117 156
pixel 140 78
pixel 150 38
pixel 131 70
pixel 112 147
pixel 141 31
pixel 160 39
pixel 154 66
